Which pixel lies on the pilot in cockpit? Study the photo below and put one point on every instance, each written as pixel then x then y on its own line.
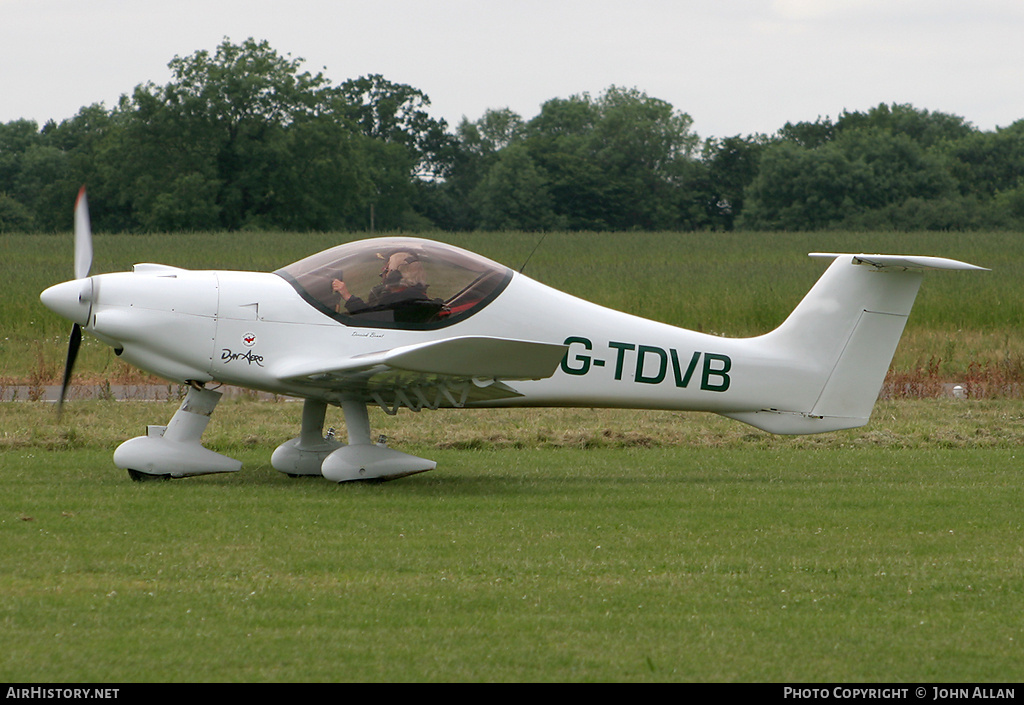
pixel 402 291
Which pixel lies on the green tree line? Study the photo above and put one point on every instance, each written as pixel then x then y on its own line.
pixel 244 138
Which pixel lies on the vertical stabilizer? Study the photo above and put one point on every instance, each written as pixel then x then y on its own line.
pixel 844 334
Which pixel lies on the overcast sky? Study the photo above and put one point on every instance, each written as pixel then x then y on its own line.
pixel 735 66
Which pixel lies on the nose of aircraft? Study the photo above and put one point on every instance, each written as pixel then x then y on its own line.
pixel 71 299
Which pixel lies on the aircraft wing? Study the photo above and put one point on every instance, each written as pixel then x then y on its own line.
pixel 447 373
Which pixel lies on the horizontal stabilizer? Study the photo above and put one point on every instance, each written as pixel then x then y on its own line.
pixel 904 261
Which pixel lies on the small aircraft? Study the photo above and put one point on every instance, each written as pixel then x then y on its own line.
pixel 403 322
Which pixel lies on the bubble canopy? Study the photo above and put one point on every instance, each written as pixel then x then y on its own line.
pixel 397 282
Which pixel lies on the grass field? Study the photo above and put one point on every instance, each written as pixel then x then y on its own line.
pixel 549 545
pixel 561 545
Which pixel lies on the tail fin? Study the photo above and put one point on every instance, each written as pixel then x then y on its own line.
pixel 843 335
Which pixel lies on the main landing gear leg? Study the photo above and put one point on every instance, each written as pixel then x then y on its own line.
pixel 304 455
pixel 174 450
pixel 361 459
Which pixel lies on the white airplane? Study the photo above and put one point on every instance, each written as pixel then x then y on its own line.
pixel 402 322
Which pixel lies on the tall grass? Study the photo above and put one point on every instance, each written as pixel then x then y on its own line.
pixel 734 284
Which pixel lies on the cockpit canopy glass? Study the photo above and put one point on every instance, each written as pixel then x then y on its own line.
pixel 405 283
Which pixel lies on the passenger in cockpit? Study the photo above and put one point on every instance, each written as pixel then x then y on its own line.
pixel 402 291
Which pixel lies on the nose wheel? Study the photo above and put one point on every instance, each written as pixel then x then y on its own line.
pixel 174 450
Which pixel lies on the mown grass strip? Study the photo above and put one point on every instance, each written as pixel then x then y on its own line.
pixel 552 552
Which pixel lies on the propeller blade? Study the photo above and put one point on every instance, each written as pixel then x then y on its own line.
pixel 73 345
pixel 83 236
